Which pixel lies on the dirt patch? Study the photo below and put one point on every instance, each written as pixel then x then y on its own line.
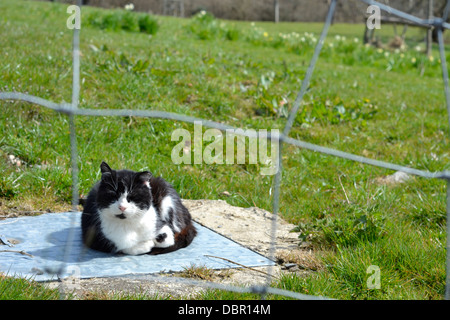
pixel 250 227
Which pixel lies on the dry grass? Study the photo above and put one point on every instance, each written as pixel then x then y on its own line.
pixel 30 206
pixel 306 260
pixel 204 273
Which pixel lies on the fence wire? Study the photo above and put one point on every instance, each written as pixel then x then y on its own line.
pixel 72 110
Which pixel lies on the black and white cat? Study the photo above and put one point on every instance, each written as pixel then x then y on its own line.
pixel 135 213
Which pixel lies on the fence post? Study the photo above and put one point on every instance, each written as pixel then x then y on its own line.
pixel 276 7
pixel 74 106
pixel 447 263
pixel 430 30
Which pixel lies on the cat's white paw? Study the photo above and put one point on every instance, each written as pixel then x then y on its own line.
pixel 165 238
pixel 140 248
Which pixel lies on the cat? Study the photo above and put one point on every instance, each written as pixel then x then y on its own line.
pixel 135 213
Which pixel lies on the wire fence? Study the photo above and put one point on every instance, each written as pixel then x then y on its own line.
pixel 72 110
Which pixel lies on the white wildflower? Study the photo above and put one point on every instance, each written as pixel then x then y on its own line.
pixel 129 7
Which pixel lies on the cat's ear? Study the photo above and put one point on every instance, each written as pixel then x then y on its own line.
pixel 143 178
pixel 105 168
pixel 108 174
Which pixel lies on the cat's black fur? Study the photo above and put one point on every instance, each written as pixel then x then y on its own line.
pixel 106 191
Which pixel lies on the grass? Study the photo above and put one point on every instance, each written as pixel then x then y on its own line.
pixel 24 289
pixel 382 103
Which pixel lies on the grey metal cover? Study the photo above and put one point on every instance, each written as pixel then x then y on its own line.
pixel 42 250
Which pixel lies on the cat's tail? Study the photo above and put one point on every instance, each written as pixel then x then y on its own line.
pixel 182 240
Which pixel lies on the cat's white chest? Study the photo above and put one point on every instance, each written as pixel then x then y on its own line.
pixel 133 235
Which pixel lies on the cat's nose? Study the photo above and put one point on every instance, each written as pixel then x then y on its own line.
pixel 122 208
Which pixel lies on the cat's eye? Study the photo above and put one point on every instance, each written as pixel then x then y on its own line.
pixel 130 198
pixel 112 193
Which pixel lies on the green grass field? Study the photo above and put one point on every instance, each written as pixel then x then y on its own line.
pixel 381 103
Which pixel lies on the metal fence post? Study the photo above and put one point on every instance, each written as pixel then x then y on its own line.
pixel 447 264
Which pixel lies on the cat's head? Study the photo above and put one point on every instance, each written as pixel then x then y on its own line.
pixel 123 194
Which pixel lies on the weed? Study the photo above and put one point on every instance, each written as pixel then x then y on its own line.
pixel 147 24
pixel 206 27
pixel 123 20
pixel 348 231
pixel 197 272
